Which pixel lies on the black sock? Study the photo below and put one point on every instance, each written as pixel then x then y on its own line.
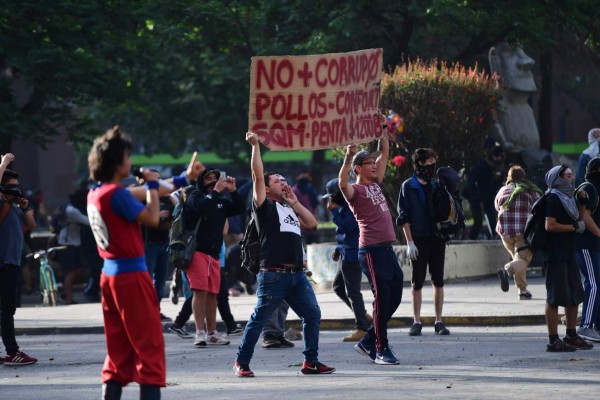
pixel 571 332
pixel 553 338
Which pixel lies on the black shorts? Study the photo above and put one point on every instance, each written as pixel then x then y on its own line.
pixel 432 253
pixel 563 283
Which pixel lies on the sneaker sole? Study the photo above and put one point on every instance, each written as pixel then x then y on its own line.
pixel 381 362
pixel 200 344
pixel 182 336
pixel 589 338
pixel 20 363
pixel 217 344
pixel 313 372
pixel 250 375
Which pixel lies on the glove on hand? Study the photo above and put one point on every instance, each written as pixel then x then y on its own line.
pixel 412 251
pixel 579 226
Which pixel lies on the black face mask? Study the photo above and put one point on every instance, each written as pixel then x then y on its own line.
pixel 593 177
pixel 425 172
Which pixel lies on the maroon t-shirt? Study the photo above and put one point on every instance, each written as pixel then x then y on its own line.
pixel 372 214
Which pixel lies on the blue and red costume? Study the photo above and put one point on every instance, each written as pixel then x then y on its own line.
pixel 134 339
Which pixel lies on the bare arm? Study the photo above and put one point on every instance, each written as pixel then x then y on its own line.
pixel 28 217
pixel 5 161
pixel 344 176
pixel 552 225
pixel 150 215
pixel 256 164
pixel 407 232
pixel 384 148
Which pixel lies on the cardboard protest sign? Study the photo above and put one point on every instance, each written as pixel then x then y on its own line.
pixel 315 101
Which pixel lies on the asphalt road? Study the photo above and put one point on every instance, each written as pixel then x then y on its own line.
pixel 471 363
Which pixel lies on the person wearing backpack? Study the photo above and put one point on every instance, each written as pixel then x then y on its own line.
pixel 209 208
pixel 513 203
pixel 424 248
pixel 279 216
pixel 563 282
pixel 588 251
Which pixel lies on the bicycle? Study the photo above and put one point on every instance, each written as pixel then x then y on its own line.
pixel 48 288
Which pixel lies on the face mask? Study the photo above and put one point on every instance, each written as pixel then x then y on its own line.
pixel 425 172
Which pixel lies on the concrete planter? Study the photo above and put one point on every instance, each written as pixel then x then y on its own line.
pixel 464 259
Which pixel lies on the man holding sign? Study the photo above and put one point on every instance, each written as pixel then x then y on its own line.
pixel 375 254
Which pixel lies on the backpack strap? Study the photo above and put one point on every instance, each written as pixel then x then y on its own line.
pixel 4 210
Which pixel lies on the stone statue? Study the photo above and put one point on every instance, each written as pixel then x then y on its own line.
pixel 516 126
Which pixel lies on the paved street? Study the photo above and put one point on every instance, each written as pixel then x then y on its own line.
pixel 472 363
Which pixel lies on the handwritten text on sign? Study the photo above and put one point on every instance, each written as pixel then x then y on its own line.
pixel 316 101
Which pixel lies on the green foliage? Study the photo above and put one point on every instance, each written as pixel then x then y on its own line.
pixel 447 108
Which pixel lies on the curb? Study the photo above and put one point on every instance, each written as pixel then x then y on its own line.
pixel 326 324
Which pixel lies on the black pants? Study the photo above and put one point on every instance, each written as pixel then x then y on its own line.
pixel 185 313
pixel 477 211
pixel 223 302
pixel 9 281
pixel 347 284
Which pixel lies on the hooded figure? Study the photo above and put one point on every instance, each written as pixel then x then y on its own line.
pixel 593 150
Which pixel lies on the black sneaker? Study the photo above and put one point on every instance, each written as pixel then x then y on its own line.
pixel 415 330
pixel 559 346
pixel 577 342
pixel 164 318
pixel 503 275
pixel 180 331
pixel 440 329
pixel 271 343
pixel 238 330
pixel 285 343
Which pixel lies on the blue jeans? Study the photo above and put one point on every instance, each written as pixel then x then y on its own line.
pixel 157 260
pixel 589 265
pixel 273 287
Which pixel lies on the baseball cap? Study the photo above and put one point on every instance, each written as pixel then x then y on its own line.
pixel 332 188
pixel 207 171
pixel 361 156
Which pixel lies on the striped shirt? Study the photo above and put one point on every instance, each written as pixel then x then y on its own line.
pixel 511 222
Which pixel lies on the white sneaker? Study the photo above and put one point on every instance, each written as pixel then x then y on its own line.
pixel 216 338
pixel 200 339
pixel 588 334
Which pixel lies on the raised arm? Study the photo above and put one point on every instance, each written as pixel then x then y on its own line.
pixel 4 162
pixel 344 176
pixel 150 214
pixel 256 164
pixel 307 219
pixel 384 148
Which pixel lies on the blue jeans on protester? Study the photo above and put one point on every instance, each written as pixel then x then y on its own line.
pixel 273 287
pixel 589 265
pixel 380 264
pixel 157 260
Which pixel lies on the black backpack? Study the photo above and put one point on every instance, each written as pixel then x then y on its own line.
pixel 182 241
pixel 535 227
pixel 250 247
pixel 448 214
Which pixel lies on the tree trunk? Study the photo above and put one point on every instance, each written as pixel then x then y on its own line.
pixel 545 102
pixel 317 166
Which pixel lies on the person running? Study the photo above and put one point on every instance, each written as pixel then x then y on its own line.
pixel 279 217
pixel 14 213
pixel 375 254
pixel 513 203
pixel 134 338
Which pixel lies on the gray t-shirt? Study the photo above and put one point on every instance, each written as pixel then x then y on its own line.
pixel 11 236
